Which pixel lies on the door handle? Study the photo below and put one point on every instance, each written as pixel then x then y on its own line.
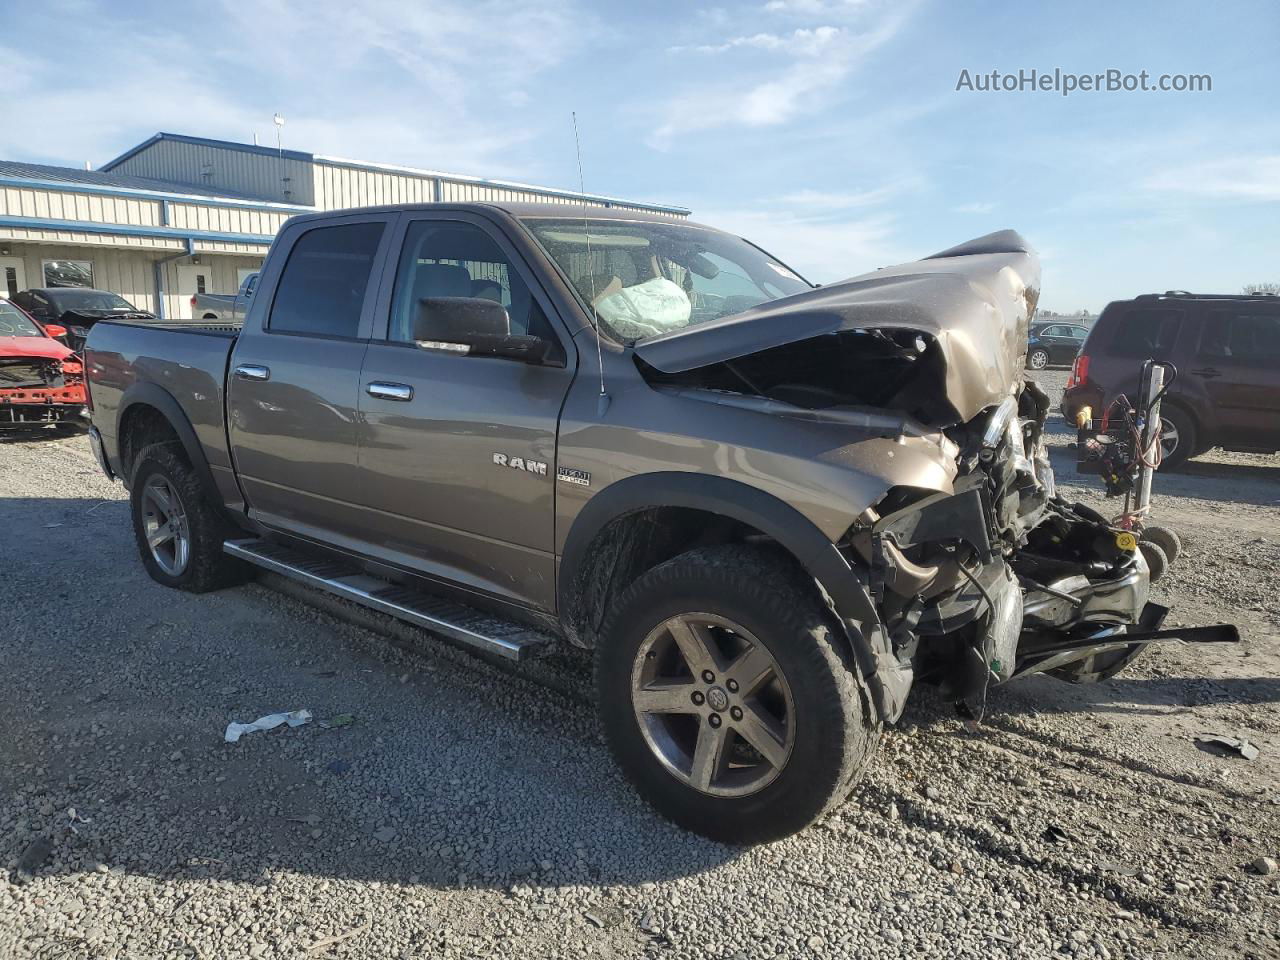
pixel 252 371
pixel 1208 373
pixel 389 391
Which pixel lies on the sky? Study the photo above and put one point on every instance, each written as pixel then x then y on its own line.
pixel 830 132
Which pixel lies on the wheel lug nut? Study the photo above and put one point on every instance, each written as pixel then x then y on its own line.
pixel 708 676
pixel 698 698
pixel 733 686
pixel 736 713
pixel 714 719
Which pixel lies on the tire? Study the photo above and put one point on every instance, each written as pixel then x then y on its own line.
pixel 1166 539
pixel 1157 560
pixel 192 558
pixel 1183 432
pixel 739 602
pixel 1038 359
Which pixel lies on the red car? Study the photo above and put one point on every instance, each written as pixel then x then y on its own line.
pixel 41 380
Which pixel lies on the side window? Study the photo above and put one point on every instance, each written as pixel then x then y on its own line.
pixel 1054 331
pixel 1247 338
pixel 1144 333
pixel 1079 333
pixel 447 258
pixel 321 291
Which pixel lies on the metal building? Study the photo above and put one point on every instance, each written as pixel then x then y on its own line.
pixel 177 215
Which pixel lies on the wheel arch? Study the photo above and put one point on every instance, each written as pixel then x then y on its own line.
pixel 636 523
pixel 149 414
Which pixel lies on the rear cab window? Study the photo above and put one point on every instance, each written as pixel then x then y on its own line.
pixel 322 288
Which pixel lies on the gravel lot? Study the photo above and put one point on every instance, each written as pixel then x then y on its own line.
pixel 469 812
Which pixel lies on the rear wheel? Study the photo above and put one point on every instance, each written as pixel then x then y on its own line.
pixel 179 533
pixel 727 699
pixel 1177 437
pixel 1038 359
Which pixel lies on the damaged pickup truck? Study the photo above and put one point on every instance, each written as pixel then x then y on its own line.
pixel 41 381
pixel 768 507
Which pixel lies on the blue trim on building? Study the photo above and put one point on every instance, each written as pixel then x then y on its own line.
pixel 164 233
pixel 205 142
pixel 63 186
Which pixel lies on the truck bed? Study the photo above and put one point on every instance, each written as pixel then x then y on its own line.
pixel 182 363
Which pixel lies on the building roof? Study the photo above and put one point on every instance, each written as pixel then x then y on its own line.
pixel 44 175
pixel 206 142
pixel 392 168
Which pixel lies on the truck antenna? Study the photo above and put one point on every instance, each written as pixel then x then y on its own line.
pixel 603 404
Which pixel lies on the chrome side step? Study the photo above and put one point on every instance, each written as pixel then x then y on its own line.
pixel 454 620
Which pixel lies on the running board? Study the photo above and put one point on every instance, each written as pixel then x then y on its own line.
pixel 450 619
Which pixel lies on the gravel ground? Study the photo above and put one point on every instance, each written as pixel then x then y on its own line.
pixel 469 811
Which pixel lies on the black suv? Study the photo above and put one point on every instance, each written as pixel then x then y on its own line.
pixel 1227 352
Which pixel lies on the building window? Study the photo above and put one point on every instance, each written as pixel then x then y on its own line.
pixel 11 281
pixel 68 273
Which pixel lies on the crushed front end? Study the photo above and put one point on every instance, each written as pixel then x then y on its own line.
pixel 1003 577
pixel 38 390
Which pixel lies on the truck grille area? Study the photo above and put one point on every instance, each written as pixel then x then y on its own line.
pixel 18 372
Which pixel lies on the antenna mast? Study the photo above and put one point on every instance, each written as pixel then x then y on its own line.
pixel 603 404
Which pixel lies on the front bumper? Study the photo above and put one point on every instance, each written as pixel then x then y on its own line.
pixel 33 414
pixel 1068 602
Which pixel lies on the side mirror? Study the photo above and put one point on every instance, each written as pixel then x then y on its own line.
pixel 474 326
pixel 55 330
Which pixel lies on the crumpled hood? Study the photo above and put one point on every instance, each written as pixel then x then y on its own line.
pixel 975 300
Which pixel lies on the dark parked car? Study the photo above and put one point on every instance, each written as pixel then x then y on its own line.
pixel 1054 343
pixel 1227 353
pixel 77 309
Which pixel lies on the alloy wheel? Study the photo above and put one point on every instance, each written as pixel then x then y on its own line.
pixel 713 704
pixel 164 523
pixel 1168 438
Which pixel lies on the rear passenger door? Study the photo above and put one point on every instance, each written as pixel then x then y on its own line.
pixel 294 379
pixel 1237 363
pixel 458 452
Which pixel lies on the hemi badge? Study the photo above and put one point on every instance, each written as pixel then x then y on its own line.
pixel 570 475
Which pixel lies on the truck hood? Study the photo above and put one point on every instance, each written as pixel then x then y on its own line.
pixel 45 347
pixel 974 302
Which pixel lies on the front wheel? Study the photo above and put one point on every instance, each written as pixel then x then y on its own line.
pixel 1038 359
pixel 728 699
pixel 179 532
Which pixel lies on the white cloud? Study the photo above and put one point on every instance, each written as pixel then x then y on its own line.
pixel 822 251
pixel 837 200
pixel 810 7
pixel 431 83
pixel 974 208
pixel 1255 178
pixel 801 42
pixel 803 86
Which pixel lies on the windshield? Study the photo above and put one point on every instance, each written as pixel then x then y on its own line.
pixel 66 299
pixel 15 323
pixel 648 278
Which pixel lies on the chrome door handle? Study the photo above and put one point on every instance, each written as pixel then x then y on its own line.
pixel 389 391
pixel 252 371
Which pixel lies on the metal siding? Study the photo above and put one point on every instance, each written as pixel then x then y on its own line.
pixel 251 174
pixel 49 204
